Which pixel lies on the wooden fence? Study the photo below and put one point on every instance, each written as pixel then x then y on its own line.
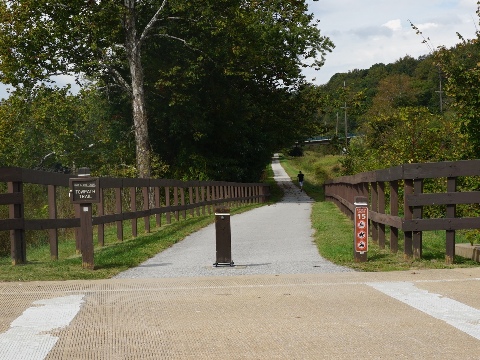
pixel 384 210
pixel 147 198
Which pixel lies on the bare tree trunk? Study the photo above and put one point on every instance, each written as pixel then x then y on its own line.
pixel 140 120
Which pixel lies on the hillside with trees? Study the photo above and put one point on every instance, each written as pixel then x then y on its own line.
pixel 412 110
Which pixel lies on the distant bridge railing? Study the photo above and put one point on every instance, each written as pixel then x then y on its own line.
pixel 128 200
pixel 327 139
pixel 384 211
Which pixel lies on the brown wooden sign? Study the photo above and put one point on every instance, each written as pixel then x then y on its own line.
pixel 85 190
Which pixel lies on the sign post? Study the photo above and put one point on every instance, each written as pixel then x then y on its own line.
pixel 85 190
pixel 361 229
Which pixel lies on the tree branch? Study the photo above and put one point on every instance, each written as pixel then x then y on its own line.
pixel 118 77
pixel 151 23
pixel 187 45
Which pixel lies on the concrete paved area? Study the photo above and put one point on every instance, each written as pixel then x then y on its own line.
pixel 314 316
pixel 324 312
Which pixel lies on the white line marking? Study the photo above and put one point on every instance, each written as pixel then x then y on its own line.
pixel 27 337
pixel 460 316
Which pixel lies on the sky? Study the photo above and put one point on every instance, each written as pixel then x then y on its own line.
pixel 367 32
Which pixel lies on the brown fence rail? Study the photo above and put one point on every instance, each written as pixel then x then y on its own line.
pixel 376 184
pixel 145 198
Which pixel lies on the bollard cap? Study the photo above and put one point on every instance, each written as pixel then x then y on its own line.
pixel 360 200
pixel 222 211
pixel 83 172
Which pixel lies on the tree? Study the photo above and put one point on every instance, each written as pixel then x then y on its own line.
pixel 109 40
pixel 394 91
pixel 52 130
pixel 405 135
pixel 40 39
pixel 461 66
pixel 222 111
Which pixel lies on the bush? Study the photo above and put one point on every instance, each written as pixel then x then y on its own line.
pixel 296 151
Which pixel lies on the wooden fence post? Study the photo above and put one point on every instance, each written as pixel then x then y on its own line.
pixel 146 207
pixel 17 236
pixel 133 208
pixel 451 213
pixel 393 212
pixel 374 207
pixel 175 202
pixel 101 212
pixel 182 202
pixel 118 210
pixel 408 215
pixel 158 217
pixel 197 200
pixel 78 237
pixel 52 214
pixel 381 210
pixel 191 201
pixel 209 198
pixel 168 214
pixel 417 214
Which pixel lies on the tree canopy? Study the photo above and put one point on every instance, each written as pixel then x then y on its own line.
pixel 213 86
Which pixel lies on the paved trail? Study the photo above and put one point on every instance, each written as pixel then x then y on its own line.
pixel 274 239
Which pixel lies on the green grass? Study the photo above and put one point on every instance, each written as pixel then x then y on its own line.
pixel 109 260
pixel 334 230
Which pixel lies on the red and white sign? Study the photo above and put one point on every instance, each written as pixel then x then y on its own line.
pixel 361 229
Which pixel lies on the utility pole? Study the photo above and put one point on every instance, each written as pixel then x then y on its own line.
pixel 336 127
pixel 345 113
pixel 440 91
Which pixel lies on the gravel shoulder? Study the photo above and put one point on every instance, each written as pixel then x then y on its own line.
pixel 269 240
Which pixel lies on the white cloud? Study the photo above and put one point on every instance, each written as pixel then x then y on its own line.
pixel 427 26
pixel 394 25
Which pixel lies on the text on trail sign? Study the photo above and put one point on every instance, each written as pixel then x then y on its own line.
pixel 361 229
pixel 84 190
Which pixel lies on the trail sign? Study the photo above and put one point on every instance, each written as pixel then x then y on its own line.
pixel 361 229
pixel 84 190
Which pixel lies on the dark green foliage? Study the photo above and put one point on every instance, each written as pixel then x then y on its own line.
pixel 223 105
pixel 296 151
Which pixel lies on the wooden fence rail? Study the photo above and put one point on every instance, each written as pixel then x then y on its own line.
pixel 155 197
pixel 376 184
